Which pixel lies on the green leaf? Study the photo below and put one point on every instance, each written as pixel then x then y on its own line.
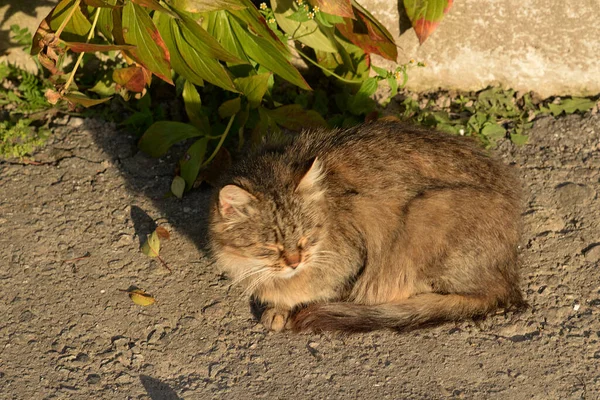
pixel 199 6
pixel 208 68
pixel 295 118
pixel 208 45
pixel 300 15
pixel 151 51
pixel 154 5
pixel 167 28
pixel 361 102
pixel 308 33
pixel 197 52
pixel 264 52
pixel 519 139
pixel 393 83
pixel 178 186
pixel 257 25
pixel 191 162
pixel 426 15
pixel 382 72
pixel 570 106
pixel 161 135
pixel 100 3
pixel 493 131
pixel 329 19
pixel 230 107
pixel 80 98
pixel 368 87
pixel 193 107
pixel 219 27
pixel 105 23
pixel 265 124
pixel 78 26
pixel 152 246
pixel 253 87
pixel 104 87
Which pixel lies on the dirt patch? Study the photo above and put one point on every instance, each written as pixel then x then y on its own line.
pixel 67 331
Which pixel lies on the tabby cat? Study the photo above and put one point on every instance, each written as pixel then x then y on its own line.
pixel 383 225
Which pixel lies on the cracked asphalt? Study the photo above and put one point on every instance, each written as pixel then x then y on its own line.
pixel 70 232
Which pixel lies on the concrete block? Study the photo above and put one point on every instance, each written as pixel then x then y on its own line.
pixel 548 46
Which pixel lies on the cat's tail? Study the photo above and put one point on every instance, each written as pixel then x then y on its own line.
pixel 423 309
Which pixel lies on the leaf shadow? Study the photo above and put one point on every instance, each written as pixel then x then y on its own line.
pixel 404 23
pixel 158 390
pixel 143 224
pixel 15 7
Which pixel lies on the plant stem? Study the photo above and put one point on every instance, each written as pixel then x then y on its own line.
pixel 90 36
pixel 223 136
pixel 67 19
pixel 307 58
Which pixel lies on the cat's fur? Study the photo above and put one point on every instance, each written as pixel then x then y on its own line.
pixel 392 226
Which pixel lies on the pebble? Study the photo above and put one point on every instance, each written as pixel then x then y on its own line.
pixel 592 254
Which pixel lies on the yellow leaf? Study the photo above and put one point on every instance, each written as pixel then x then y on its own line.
pixel 141 298
pixel 152 246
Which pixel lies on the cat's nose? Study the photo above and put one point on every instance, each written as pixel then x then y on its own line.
pixel 292 260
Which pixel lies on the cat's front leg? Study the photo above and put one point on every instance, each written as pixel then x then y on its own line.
pixel 276 318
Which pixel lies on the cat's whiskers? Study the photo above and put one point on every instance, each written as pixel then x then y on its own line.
pixel 252 287
pixel 246 274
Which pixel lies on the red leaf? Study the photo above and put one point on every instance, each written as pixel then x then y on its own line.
pixel 91 48
pixel 342 8
pixel 424 28
pixel 133 79
pixel 426 15
pixel 162 232
pixel 368 36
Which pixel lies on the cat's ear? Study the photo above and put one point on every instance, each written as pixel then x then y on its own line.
pixel 233 200
pixel 311 179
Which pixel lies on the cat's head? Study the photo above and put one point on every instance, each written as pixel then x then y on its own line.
pixel 278 232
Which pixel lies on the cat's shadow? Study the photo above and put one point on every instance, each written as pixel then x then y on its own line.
pixel 257 308
pixel 158 390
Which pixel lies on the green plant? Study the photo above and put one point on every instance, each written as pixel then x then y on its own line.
pixel 21 36
pixel 22 108
pixel 230 61
pixel 489 115
pixel 22 91
pixel 20 139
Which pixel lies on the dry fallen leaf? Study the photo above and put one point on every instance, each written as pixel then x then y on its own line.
pixel 140 297
pixel 163 233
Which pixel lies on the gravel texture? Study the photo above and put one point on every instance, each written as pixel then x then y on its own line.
pixel 67 332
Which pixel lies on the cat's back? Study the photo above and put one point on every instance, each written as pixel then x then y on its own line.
pixel 382 151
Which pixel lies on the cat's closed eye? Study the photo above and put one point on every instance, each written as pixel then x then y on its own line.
pixel 308 241
pixel 267 253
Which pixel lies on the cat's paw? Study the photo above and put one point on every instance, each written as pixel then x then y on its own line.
pixel 276 319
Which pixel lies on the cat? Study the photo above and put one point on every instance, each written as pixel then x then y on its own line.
pixel 383 225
